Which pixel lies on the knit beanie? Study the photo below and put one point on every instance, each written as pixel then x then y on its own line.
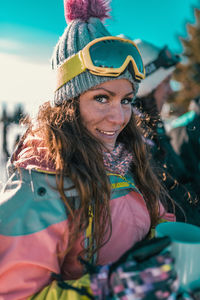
pixel 84 19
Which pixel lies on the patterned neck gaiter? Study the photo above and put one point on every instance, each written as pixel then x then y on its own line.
pixel 118 161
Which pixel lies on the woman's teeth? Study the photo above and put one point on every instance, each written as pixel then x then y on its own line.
pixel 107 132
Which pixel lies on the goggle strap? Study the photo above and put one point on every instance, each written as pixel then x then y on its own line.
pixel 151 68
pixel 164 60
pixel 69 69
pixel 155 65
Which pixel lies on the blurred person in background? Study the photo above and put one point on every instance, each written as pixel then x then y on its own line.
pixel 153 93
pixel 185 138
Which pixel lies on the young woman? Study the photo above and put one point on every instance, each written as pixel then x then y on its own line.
pixel 82 185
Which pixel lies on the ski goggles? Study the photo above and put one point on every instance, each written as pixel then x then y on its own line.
pixel 166 59
pixel 105 56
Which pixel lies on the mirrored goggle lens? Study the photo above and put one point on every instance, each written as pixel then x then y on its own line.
pixel 113 53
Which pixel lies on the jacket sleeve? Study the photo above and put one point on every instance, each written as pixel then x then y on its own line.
pixel 166 216
pixel 33 234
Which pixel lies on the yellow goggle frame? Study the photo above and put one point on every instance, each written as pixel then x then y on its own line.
pixel 81 61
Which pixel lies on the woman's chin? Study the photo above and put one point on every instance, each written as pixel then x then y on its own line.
pixel 109 147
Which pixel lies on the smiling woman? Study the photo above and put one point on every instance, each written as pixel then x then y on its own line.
pixel 82 185
pixel 106 110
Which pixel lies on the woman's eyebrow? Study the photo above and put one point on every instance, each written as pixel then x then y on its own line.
pixel 132 92
pixel 110 92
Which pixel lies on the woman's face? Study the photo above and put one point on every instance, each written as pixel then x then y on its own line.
pixel 106 109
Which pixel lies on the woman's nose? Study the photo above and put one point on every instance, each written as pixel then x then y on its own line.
pixel 117 114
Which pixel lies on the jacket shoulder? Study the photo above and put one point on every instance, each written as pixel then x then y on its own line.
pixel 30 202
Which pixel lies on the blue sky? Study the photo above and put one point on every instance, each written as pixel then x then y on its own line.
pixel 30 29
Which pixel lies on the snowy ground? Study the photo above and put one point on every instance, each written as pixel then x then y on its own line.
pixel 13 131
pixel 2 173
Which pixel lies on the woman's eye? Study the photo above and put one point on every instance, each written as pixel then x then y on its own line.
pixel 101 98
pixel 127 101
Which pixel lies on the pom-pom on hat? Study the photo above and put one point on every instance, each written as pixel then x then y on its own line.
pixel 84 18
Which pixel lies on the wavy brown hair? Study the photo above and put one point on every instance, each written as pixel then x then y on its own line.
pixel 77 154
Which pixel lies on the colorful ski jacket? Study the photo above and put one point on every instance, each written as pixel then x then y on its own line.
pixel 34 231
